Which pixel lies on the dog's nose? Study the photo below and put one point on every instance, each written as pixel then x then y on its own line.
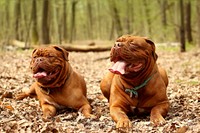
pixel 39 59
pixel 117 44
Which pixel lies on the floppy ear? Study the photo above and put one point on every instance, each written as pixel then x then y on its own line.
pixel 34 51
pixel 155 56
pixel 64 52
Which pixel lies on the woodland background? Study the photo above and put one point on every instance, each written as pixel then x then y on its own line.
pixel 65 21
pixel 174 26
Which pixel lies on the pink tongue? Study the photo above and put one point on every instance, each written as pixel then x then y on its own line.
pixel 40 75
pixel 118 67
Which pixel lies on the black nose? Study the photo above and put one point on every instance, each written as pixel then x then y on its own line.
pixel 39 59
pixel 117 44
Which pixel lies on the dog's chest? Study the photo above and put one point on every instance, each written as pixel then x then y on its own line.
pixel 54 103
pixel 53 97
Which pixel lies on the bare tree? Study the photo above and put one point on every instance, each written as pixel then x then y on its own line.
pixel 7 32
pixel 45 22
pixel 198 22
pixel 73 16
pixel 17 19
pixel 163 7
pixel 147 12
pixel 116 17
pixel 182 28
pixel 90 19
pixel 188 27
pixel 129 16
pixel 65 20
pixel 35 36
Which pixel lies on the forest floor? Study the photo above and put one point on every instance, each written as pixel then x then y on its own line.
pixel 26 115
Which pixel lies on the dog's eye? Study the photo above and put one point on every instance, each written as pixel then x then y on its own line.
pixel 34 57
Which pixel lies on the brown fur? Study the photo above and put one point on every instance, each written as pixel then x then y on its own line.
pixel 66 88
pixel 152 97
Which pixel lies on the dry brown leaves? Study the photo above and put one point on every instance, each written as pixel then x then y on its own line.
pixel 26 115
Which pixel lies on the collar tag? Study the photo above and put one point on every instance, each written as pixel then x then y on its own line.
pixel 45 90
pixel 132 92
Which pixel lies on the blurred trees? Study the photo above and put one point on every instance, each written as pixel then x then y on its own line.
pixel 35 36
pixel 198 22
pixel 18 20
pixel 45 22
pixel 182 26
pixel 61 21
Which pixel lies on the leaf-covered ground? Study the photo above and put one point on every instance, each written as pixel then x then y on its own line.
pixel 26 115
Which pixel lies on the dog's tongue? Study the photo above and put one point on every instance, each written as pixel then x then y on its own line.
pixel 40 75
pixel 118 67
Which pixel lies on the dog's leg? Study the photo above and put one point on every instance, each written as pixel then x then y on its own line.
pixel 158 112
pixel 105 85
pixel 120 117
pixel 86 110
pixel 48 110
pixel 28 92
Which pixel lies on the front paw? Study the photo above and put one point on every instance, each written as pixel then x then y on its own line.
pixel 124 123
pixel 157 120
pixel 90 116
pixel 21 96
pixel 47 117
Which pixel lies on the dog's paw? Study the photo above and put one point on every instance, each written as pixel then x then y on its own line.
pixel 124 123
pixel 157 120
pixel 90 116
pixel 21 96
pixel 47 118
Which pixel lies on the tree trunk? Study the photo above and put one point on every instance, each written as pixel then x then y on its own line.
pixel 6 21
pixel 163 11
pixel 73 21
pixel 35 37
pixel 58 24
pixel 188 21
pixel 147 13
pixel 65 20
pixel 129 16
pixel 182 29
pixel 198 23
pixel 163 7
pixel 17 19
pixel 116 17
pixel 90 19
pixel 99 21
pixel 45 22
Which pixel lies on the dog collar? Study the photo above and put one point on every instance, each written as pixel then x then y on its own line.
pixel 45 90
pixel 133 91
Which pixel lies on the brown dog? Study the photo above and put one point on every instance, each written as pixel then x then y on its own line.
pixel 57 84
pixel 136 81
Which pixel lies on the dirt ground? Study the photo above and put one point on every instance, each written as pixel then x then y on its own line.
pixel 26 115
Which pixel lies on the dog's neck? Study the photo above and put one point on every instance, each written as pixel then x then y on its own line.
pixel 133 91
pixel 138 78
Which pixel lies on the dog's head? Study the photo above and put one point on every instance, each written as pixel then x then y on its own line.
pixel 48 65
pixel 132 54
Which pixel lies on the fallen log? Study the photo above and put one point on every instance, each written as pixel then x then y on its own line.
pixel 91 47
pixel 86 48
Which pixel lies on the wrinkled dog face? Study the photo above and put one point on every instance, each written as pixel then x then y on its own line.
pixel 131 53
pixel 47 63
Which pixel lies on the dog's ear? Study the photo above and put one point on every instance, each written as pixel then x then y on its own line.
pixel 155 56
pixel 34 51
pixel 64 52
